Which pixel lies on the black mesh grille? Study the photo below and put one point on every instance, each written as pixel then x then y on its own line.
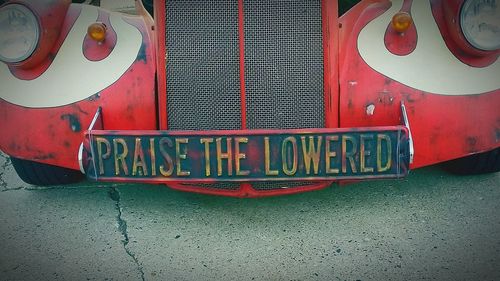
pixel 255 185
pixel 219 185
pixel 284 64
pixel 282 185
pixel 203 85
pixel 283 68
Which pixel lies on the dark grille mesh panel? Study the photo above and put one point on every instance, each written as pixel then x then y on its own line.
pixel 203 90
pixel 219 185
pixel 283 68
pixel 282 185
pixel 284 64
pixel 255 185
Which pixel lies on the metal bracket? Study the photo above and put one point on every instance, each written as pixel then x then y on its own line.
pixel 95 124
pixel 407 125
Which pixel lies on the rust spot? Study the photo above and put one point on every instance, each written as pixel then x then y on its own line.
pixel 370 109
pixel 67 144
pixel 434 135
pixel 471 144
pixel 385 98
pixel 74 122
pixel 50 131
pixel 408 97
pixel 141 56
pixel 94 97
pixel 14 146
pixel 45 156
pixel 77 107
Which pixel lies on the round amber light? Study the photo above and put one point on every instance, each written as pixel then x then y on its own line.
pixel 401 22
pixel 97 31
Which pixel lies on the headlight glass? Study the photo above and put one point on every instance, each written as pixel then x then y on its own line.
pixel 480 23
pixel 19 33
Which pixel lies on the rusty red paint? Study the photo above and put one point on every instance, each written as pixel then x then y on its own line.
pixel 133 96
pixel 439 135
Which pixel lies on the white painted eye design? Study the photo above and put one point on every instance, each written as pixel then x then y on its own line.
pixel 66 80
pixel 431 67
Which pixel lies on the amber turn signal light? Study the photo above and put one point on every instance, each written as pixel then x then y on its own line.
pixel 97 31
pixel 401 22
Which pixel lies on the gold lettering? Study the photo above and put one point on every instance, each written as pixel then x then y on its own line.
pixel 139 159
pixel 207 142
pixel 285 156
pixel 228 156
pixel 238 156
pixel 120 157
pixel 330 154
pixel 267 159
pixel 181 156
pixel 166 157
pixel 348 154
pixel 99 142
pixel 313 153
pixel 387 139
pixel 363 153
pixel 153 156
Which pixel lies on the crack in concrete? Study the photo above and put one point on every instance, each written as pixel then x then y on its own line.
pixel 5 164
pixel 122 227
pixel 12 189
pixel 3 183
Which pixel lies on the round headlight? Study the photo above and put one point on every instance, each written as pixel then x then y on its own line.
pixel 19 33
pixel 480 23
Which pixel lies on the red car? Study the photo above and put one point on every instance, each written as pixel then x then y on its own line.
pixel 249 97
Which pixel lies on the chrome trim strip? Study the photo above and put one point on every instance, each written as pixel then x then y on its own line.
pixel 407 125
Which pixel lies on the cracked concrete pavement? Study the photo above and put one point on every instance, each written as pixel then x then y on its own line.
pixel 430 225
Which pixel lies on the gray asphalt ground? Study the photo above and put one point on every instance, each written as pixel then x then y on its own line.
pixel 428 226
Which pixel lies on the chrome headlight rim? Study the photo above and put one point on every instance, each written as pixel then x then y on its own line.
pixel 34 20
pixel 466 32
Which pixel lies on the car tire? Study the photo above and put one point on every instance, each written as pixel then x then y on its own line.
pixel 43 174
pixel 481 163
